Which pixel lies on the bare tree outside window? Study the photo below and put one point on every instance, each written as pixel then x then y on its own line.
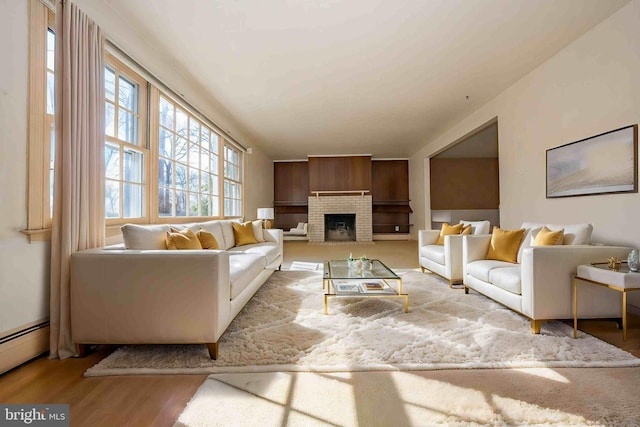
pixel 125 153
pixel 187 164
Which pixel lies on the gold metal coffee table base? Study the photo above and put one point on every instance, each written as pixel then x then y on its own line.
pixel 405 296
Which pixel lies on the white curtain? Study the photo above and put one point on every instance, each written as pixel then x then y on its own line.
pixel 78 212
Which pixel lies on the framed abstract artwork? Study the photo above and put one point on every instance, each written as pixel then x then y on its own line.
pixel 601 164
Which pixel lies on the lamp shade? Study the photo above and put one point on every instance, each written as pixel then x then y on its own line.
pixel 265 213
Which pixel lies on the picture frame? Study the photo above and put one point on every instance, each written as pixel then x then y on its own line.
pixel 601 164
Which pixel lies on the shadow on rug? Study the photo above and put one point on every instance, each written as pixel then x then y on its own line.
pixel 282 328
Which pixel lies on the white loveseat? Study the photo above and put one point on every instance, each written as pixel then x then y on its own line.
pixel 160 296
pixel 446 260
pixel 539 285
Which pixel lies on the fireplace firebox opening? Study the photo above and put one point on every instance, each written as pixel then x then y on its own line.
pixel 339 227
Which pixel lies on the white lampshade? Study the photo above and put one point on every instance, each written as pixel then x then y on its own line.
pixel 265 213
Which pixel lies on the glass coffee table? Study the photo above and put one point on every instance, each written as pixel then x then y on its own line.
pixel 339 280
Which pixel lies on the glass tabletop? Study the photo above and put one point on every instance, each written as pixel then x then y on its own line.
pixel 339 269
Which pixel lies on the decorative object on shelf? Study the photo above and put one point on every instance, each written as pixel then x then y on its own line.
pixel 266 215
pixel 604 163
pixel 614 263
pixel 633 260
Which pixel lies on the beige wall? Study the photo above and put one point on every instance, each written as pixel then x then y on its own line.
pixel 590 87
pixel 259 178
pixel 24 295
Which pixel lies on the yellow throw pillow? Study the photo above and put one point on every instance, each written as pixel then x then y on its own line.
pixel 546 237
pixel 466 230
pixel 505 244
pixel 207 240
pixel 448 230
pixel 243 233
pixel 185 239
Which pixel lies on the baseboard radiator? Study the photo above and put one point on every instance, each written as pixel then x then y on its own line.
pixel 22 344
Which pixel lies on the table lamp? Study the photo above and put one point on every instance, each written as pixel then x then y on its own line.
pixel 266 215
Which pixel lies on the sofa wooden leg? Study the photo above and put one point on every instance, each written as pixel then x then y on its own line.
pixel 422 268
pixel 536 325
pixel 466 290
pixel 455 284
pixel 213 350
pixel 82 349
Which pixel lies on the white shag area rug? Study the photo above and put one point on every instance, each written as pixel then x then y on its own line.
pixel 283 328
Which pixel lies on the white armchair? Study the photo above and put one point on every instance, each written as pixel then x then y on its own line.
pixel 446 260
pixel 539 286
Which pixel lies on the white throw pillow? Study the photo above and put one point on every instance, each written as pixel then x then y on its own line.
pixel 526 242
pixel 477 227
pixel 574 234
pixel 227 232
pixel 257 230
pixel 144 236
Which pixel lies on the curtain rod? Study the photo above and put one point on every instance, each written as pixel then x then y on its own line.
pixel 172 92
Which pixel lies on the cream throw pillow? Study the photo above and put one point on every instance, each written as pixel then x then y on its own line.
pixel 505 244
pixel 182 239
pixel 243 233
pixel 448 230
pixel 257 230
pixel 546 237
pixel 143 237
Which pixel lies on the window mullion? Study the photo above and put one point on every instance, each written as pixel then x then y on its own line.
pixel 151 172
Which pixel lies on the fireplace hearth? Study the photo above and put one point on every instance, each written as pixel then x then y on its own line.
pixel 339 227
pixel 359 205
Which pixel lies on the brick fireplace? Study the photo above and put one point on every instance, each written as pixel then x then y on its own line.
pixel 359 205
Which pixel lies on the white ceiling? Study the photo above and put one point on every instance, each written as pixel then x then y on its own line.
pixel 356 76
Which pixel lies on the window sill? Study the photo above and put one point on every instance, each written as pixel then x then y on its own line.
pixel 40 235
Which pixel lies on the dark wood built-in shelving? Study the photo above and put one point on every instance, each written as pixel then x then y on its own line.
pixel 390 191
pixel 291 193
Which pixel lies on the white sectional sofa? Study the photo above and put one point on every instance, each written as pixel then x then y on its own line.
pixel 142 293
pixel 539 285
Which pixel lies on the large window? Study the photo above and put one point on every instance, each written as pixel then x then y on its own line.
pixel 188 163
pixel 125 143
pixel 232 181
pixel 145 137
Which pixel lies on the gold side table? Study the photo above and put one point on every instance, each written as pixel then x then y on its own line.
pixel 622 280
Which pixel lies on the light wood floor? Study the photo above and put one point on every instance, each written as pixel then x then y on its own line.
pixel 159 400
